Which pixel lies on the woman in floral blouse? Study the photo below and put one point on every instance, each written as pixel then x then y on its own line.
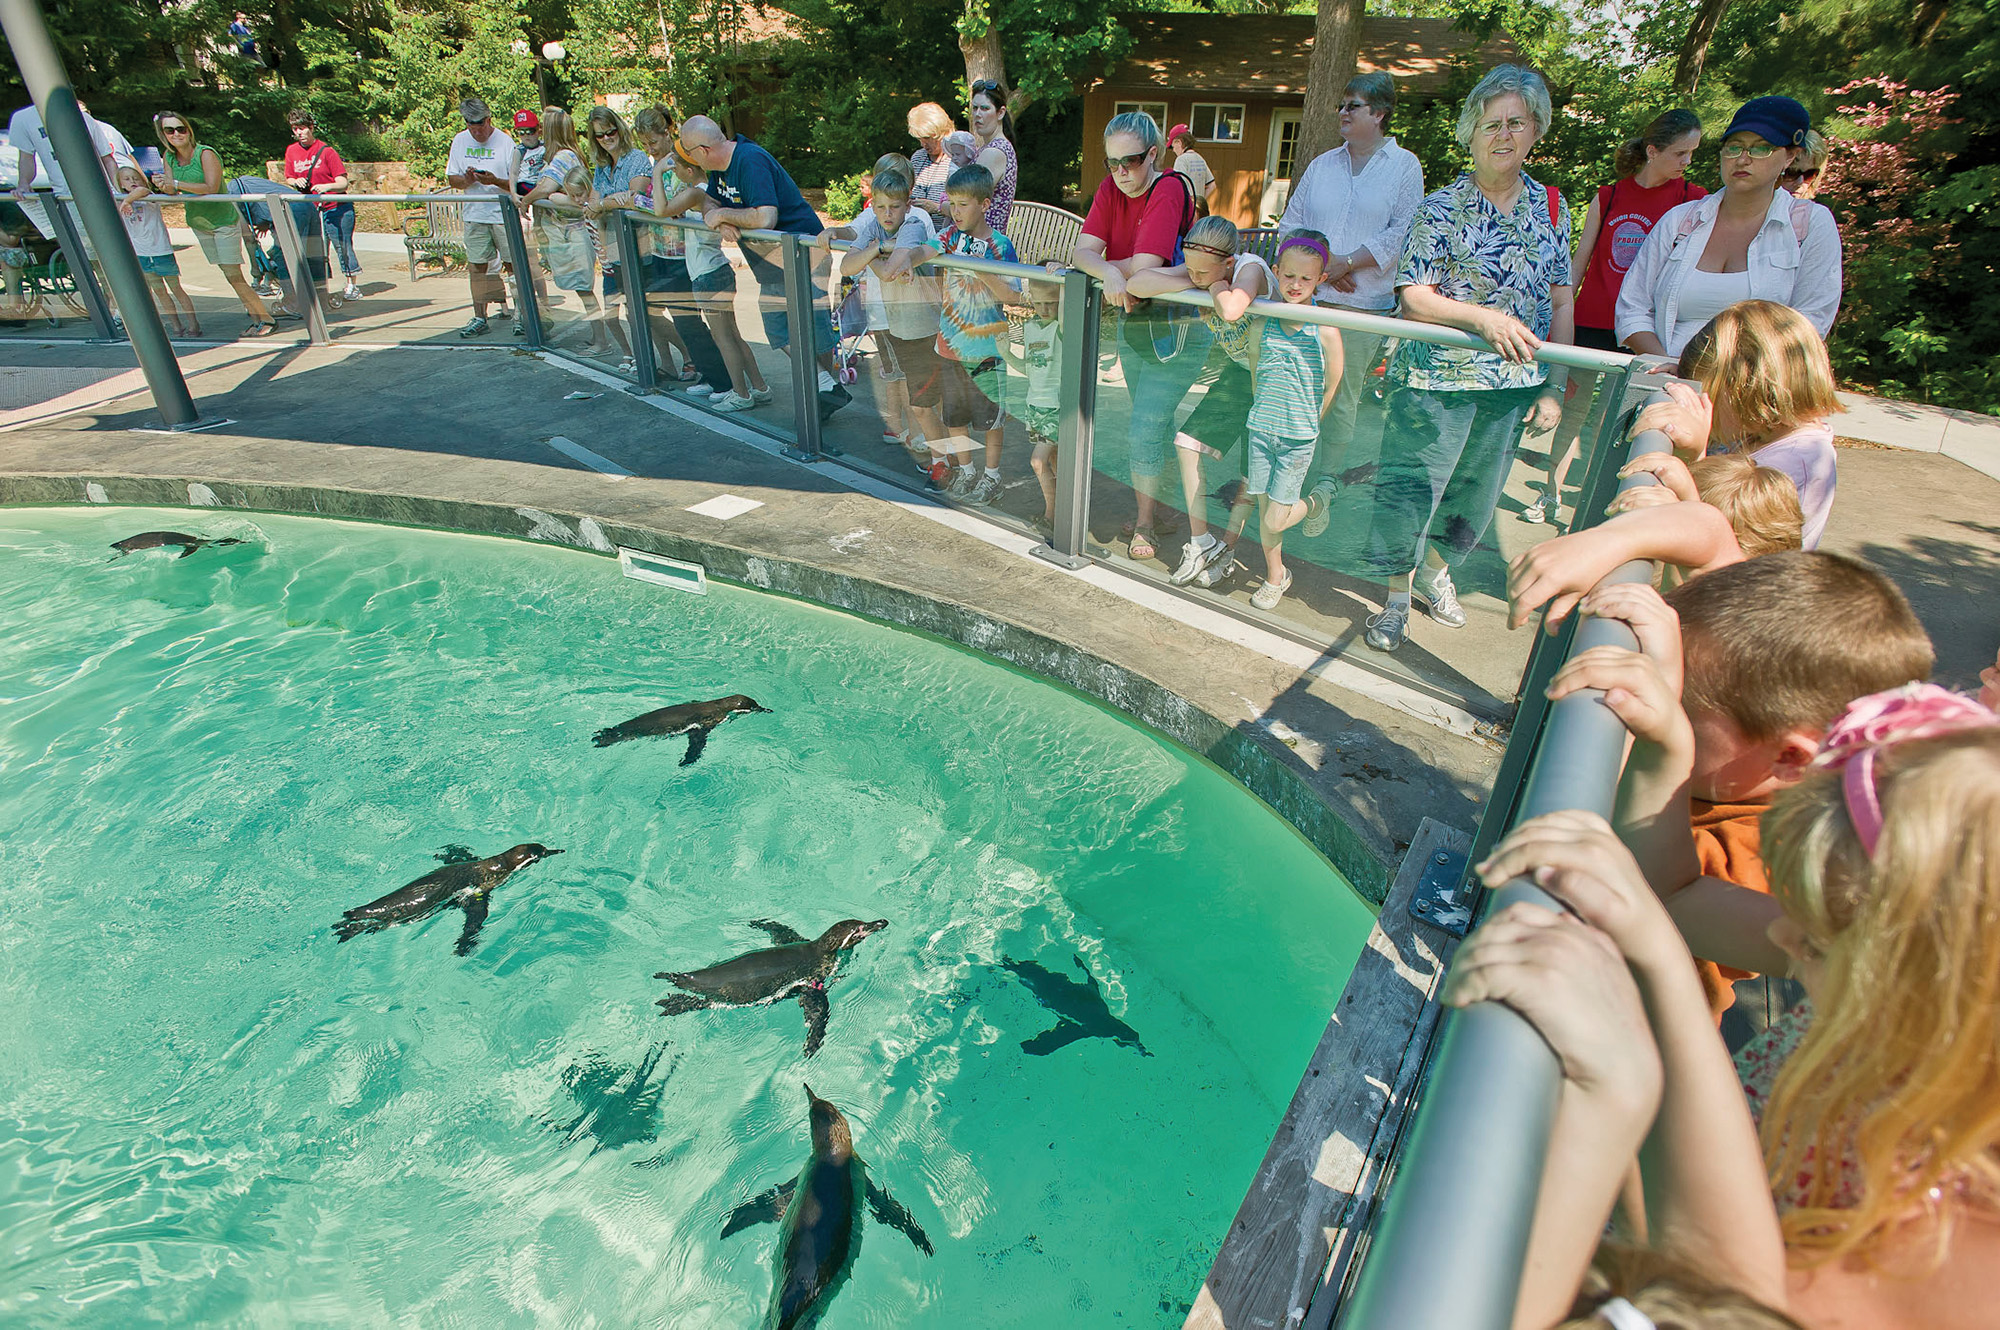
pixel 1489 254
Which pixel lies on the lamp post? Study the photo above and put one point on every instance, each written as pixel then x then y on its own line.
pixel 552 53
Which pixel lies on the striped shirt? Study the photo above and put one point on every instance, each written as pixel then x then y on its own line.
pixel 1291 381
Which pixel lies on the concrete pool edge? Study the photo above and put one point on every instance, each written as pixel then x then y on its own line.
pixel 1246 755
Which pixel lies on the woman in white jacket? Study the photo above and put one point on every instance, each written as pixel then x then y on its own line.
pixel 1751 241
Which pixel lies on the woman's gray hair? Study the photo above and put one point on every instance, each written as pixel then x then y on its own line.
pixel 1498 82
pixel 1377 89
pixel 1138 124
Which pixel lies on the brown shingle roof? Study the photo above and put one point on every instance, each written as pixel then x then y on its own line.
pixel 1269 52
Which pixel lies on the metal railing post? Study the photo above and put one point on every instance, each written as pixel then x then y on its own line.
pixel 527 311
pixel 48 83
pixel 1082 306
pixel 1470 1168
pixel 797 257
pixel 70 237
pixel 633 279
pixel 304 286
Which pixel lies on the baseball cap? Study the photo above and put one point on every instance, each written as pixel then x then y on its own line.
pixel 527 120
pixel 1179 132
pixel 1778 120
pixel 474 110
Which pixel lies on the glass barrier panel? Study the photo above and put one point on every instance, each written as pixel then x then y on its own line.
pixel 580 293
pixel 42 300
pixel 387 272
pixel 1215 472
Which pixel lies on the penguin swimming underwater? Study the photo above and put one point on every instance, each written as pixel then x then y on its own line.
pixel 153 540
pixel 796 968
pixel 694 719
pixel 818 1214
pixel 463 881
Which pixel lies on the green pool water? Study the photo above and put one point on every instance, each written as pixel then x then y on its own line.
pixel 213 1113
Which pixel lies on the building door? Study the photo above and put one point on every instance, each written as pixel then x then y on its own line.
pixel 1280 163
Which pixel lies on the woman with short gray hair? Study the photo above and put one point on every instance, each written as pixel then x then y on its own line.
pixel 1488 254
pixel 1361 197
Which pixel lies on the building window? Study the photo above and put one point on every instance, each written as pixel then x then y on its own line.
pixel 1157 110
pixel 1217 123
pixel 1286 164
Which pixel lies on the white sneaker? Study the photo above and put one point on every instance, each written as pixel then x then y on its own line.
pixel 729 401
pixel 827 383
pixel 1434 585
pixel 962 482
pixel 1224 567
pixel 760 395
pixel 1197 555
pixel 1545 510
pixel 699 390
pixel 352 292
pixel 988 488
pixel 1318 505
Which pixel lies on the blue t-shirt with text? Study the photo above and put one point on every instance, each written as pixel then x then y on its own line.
pixel 755 180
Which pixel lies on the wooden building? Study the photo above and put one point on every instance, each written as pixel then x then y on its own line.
pixel 1239 81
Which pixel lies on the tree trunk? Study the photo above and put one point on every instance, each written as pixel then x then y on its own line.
pixel 1336 47
pixel 983 57
pixel 1694 47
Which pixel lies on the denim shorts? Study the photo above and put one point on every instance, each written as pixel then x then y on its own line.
pixel 716 280
pixel 1278 466
pixel 159 265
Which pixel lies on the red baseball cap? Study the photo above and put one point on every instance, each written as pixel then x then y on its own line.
pixel 527 120
pixel 1179 132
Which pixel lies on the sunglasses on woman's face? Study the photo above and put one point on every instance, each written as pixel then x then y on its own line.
pixel 173 129
pixel 607 134
pixel 1129 163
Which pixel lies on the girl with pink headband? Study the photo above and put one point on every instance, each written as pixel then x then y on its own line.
pixel 1877 1100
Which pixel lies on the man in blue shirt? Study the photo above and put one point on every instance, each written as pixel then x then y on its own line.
pixel 749 191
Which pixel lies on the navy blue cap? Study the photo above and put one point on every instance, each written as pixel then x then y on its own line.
pixel 1778 120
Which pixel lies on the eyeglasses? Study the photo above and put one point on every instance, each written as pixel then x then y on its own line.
pixel 482 120
pixel 1757 150
pixel 173 129
pixel 1493 129
pixel 1113 165
pixel 1356 106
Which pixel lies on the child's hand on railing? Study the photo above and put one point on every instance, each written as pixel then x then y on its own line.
pixel 1651 619
pixel 1637 691
pixel 1670 471
pixel 1686 418
pixel 1558 573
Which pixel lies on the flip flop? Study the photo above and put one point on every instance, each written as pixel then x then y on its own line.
pixel 260 330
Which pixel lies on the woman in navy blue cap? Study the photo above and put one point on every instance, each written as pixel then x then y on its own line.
pixel 1751 241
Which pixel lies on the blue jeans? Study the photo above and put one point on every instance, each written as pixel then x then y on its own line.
pixel 339 223
pixel 1444 461
pixel 1157 386
pixel 769 272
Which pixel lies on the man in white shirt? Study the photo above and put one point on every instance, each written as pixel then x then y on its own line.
pixel 481 164
pixel 1362 196
pixel 1190 164
pixel 30 139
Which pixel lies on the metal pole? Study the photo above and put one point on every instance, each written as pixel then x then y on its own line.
pixel 305 288
pixel 80 269
pixel 797 258
pixel 1081 307
pixel 633 279
pixel 48 83
pixel 1449 1247
pixel 527 312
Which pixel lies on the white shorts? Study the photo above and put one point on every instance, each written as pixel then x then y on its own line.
pixel 223 247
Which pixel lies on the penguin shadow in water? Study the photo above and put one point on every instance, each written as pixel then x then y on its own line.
pixel 1079 1007
pixel 818 1214
pixel 620 1104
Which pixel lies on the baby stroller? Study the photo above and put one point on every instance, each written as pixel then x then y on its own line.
pixel 268 266
pixel 850 325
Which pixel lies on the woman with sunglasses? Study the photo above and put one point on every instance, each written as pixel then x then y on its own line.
pixel 1135 223
pixel 623 178
pixel 1751 241
pixel 993 130
pixel 195 168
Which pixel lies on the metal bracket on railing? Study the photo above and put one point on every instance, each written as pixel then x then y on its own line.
pixel 1082 304
pixel 798 258
pixel 304 286
pixel 70 236
pixel 632 277
pixel 527 310
pixel 1437 900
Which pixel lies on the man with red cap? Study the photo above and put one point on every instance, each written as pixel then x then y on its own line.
pixel 528 138
pixel 1189 163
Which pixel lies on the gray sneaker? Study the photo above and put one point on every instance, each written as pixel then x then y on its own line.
pixel 1318 506
pixel 474 327
pixel 962 482
pixel 988 488
pixel 1224 567
pixel 1441 596
pixel 1545 510
pixel 1389 629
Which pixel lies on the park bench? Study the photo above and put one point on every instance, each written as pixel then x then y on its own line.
pixel 1042 233
pixel 442 237
pixel 1261 241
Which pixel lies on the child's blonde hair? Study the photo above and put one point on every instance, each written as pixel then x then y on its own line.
pixel 1900 1071
pixel 1761 502
pixel 136 174
pixel 578 184
pixel 897 162
pixel 1667 1292
pixel 1767 363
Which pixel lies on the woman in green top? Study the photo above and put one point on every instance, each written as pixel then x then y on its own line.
pixel 196 168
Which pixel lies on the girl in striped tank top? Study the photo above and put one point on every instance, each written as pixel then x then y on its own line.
pixel 1298 370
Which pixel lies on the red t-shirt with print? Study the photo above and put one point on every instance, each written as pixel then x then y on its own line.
pixel 325 170
pixel 1149 224
pixel 1626 215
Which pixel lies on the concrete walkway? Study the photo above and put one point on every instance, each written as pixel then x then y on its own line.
pixel 1963 436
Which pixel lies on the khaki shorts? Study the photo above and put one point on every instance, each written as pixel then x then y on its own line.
pixel 483 243
pixel 223 247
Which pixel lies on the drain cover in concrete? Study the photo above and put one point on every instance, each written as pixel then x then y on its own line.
pixel 725 506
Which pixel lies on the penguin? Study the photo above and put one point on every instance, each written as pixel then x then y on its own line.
pixel 463 881
pixel 1079 1007
pixel 694 719
pixel 818 1214
pixel 153 540
pixel 797 967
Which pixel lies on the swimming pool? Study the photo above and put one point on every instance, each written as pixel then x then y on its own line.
pixel 211 1110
